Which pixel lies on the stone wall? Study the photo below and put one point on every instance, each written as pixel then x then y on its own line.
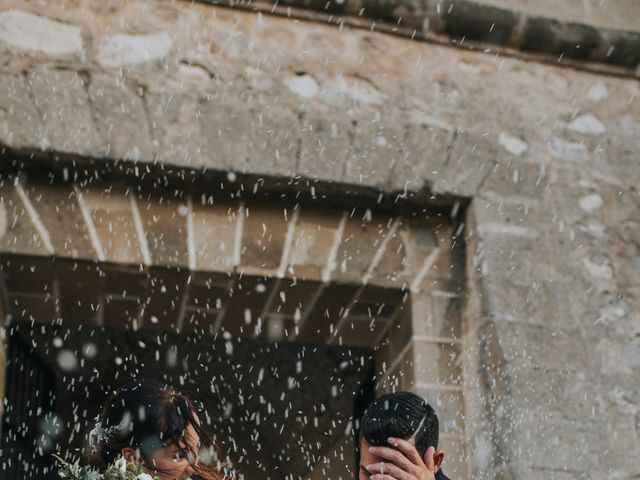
pixel 547 156
pixel 557 32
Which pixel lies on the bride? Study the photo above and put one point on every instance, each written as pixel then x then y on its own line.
pixel 156 427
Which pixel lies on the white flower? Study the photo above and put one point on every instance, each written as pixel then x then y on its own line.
pixel 144 476
pixel 121 464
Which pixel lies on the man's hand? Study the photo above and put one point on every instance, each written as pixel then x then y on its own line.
pixel 404 460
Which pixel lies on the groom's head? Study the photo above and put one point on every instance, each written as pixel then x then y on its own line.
pixel 402 415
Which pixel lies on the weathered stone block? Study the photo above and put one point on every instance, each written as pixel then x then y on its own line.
pixel 178 131
pixel 164 219
pixel 111 214
pixel 510 177
pixel 421 241
pixel 449 406
pixel 472 158
pixel 516 217
pixel 392 267
pixel 374 152
pixel 273 140
pixel 20 123
pixel 214 234
pixel 17 233
pixel 575 396
pixel 123 49
pixel 442 319
pixel 311 246
pixel 61 98
pixel 121 119
pixel 225 130
pixel 538 346
pixel 572 443
pixel 263 236
pixel 363 236
pixel 325 146
pixel 447 265
pixel 437 362
pixel 532 261
pixel 423 153
pixel 541 302
pixel 60 213
pixel 400 334
pixel 25 31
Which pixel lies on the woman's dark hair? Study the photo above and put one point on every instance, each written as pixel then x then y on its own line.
pixel 148 415
pixel 401 415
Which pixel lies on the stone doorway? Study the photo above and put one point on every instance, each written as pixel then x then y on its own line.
pixel 120 258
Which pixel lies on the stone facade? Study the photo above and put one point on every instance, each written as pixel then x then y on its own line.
pixel 539 161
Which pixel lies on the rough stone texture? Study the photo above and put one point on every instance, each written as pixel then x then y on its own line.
pixel 164 219
pixel 25 31
pixel 312 243
pixel 20 123
pixel 214 235
pixel 113 220
pixel 216 140
pixel 19 234
pixel 123 49
pixel 608 34
pixel 61 99
pixel 552 231
pixel 60 214
pixel 326 138
pixel 120 117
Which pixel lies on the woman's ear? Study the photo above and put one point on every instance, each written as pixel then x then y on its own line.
pixel 129 454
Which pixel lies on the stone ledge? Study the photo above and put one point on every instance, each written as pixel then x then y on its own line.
pixel 472 22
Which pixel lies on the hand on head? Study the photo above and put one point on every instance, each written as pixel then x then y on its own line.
pixel 401 461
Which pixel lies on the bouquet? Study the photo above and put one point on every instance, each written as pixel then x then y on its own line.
pixel 120 470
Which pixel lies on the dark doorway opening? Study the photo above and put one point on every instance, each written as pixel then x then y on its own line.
pixel 283 365
pixel 276 407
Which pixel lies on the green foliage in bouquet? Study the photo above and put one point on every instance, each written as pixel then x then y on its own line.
pixel 120 470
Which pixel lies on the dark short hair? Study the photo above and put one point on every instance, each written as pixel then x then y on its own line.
pixel 400 415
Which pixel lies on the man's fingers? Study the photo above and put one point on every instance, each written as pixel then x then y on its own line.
pixel 383 468
pixel 430 464
pixel 408 449
pixel 382 477
pixel 394 456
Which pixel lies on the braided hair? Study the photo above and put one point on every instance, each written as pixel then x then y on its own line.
pixel 402 415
